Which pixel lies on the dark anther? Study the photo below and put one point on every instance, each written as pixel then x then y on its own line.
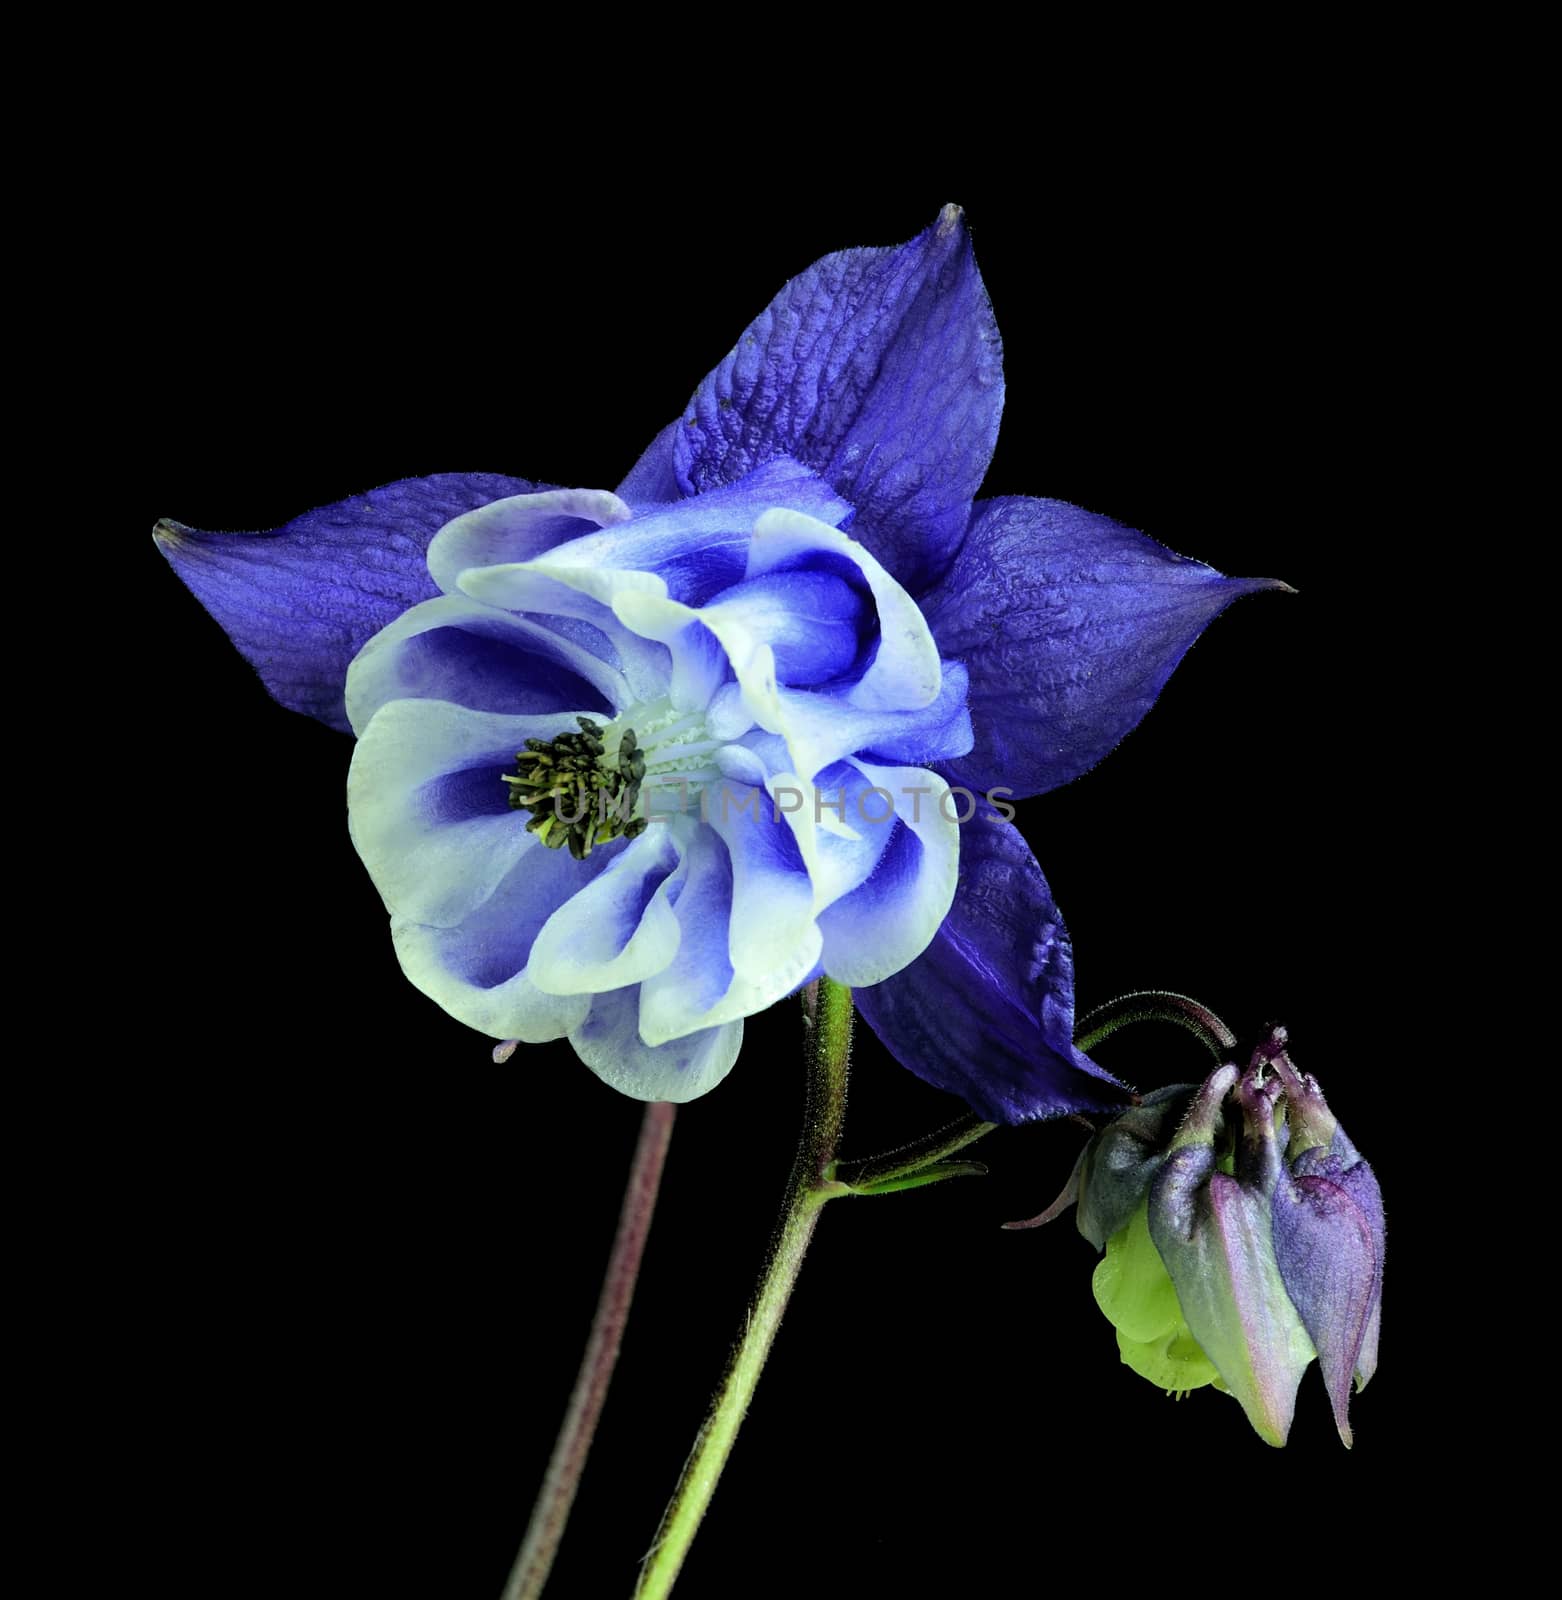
pixel 574 796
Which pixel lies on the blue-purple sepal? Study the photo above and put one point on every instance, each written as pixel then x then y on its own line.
pixel 987 1011
pixel 300 601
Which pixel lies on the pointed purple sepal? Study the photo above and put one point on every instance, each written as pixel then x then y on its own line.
pixel 300 601
pixel 1070 624
pixel 882 370
pixel 987 1011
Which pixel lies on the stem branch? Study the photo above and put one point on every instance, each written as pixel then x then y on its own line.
pixel 912 1157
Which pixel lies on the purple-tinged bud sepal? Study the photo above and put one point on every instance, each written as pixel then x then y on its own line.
pixel 1214 1231
pixel 1243 1235
pixel 1328 1236
pixel 1119 1164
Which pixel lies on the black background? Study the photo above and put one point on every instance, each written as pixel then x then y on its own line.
pixel 352 1262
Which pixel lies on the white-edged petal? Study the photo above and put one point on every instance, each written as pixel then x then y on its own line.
pixel 477 969
pixel 812 621
pixel 518 528
pixel 609 1042
pixel 685 630
pixel 428 809
pixel 620 928
pixel 905 672
pixel 527 586
pixel 683 996
pixel 697 546
pixel 821 728
pixel 421 656
pixel 699 656
pixel 772 942
pixel 890 918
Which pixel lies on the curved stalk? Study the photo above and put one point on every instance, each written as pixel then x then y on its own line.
pixel 1157 1005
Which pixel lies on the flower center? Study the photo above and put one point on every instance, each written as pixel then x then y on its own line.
pixel 578 792
pixel 583 789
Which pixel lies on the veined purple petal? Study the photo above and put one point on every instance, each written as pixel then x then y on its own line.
pixel 880 368
pixel 1070 624
pixel 987 1012
pixel 300 601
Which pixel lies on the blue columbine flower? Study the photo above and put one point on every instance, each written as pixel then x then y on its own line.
pixel 633 765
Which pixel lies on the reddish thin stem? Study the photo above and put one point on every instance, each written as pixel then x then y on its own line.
pixel 557 1496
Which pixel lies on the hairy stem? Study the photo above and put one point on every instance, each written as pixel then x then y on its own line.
pixel 1157 1005
pixel 828 1009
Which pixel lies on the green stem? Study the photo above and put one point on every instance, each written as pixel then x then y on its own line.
pixel 828 1009
pixel 557 1495
pixel 1157 1005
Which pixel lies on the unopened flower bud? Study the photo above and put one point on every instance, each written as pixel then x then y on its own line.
pixel 1243 1235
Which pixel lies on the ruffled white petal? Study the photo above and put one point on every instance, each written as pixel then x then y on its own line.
pixel 772 941
pixel 518 528
pixel 812 621
pixel 890 918
pixel 538 587
pixel 620 928
pixel 427 806
pixel 609 1043
pixel 392 666
pixel 822 728
pixel 698 546
pixel 477 969
pixel 905 672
